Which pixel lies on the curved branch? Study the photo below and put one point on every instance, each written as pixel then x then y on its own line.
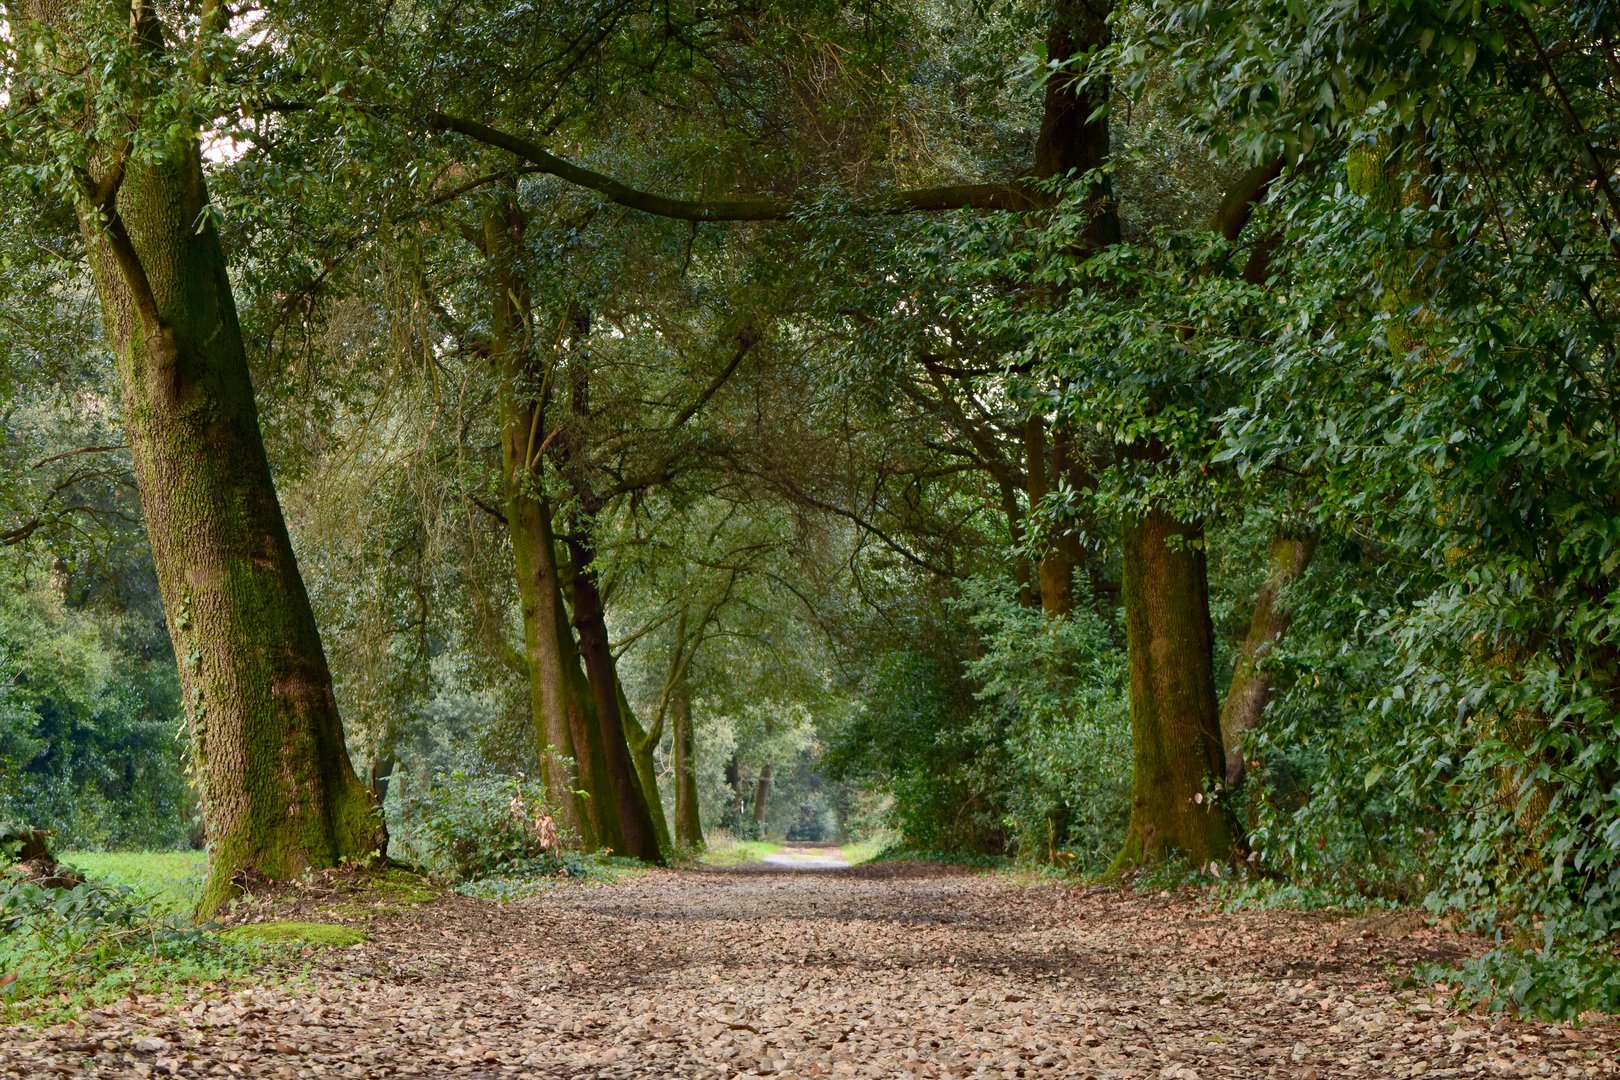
pixel 1013 195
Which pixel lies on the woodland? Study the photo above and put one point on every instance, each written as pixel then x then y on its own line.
pixel 1172 444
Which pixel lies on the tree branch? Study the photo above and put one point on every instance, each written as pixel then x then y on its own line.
pixel 1013 195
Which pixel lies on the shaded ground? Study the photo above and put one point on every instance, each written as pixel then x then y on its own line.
pixel 876 971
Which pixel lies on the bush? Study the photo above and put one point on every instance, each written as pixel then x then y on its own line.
pixel 1053 694
pixel 479 825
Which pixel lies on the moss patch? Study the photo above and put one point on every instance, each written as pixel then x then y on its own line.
pixel 304 933
pixel 397 886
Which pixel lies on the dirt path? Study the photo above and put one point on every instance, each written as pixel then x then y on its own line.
pixel 878 972
pixel 807 857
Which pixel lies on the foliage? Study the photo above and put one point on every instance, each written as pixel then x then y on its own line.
pixel 96 942
pixel 482 825
pixel 87 724
pixel 1052 694
pixel 913 738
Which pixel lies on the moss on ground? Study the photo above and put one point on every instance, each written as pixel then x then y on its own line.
pixel 396 886
pixel 305 933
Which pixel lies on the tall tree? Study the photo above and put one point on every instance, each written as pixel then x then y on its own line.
pixel 278 791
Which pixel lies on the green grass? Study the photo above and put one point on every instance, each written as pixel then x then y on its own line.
pixel 65 950
pixel 725 851
pixel 171 880
pixel 865 851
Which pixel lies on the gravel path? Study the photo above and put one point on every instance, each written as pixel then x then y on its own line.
pixel 874 972
pixel 807 857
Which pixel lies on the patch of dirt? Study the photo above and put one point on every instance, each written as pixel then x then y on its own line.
pixel 932 973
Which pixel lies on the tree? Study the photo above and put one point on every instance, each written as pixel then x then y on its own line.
pixel 278 791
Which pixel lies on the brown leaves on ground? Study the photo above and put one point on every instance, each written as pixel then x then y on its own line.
pixel 811 974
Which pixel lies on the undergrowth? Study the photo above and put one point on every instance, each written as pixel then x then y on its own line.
pixel 63 950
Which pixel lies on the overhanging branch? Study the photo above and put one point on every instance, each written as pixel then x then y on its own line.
pixel 1013 195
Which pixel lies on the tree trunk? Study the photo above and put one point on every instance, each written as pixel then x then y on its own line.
pixel 688 821
pixel 637 836
pixel 762 794
pixel 1251 686
pixel 1175 727
pixel 279 794
pixel 556 709
pixel 643 746
pixel 1062 556
pixel 1035 489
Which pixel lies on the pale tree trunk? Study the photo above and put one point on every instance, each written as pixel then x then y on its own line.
pixel 277 788
pixel 1251 683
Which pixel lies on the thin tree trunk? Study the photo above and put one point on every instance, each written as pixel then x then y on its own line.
pixel 1063 555
pixel 1035 489
pixel 278 791
pixel 1176 751
pixel 1251 685
pixel 762 794
pixel 688 820
pixel 637 836
pixel 554 705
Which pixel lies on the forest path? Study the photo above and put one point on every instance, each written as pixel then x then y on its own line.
pixel 877 971
pixel 807 857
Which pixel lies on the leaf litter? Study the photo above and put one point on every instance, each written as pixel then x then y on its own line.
pixel 884 971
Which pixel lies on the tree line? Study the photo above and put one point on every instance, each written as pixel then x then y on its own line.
pixel 1151 432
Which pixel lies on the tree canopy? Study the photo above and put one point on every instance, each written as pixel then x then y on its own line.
pixel 1113 434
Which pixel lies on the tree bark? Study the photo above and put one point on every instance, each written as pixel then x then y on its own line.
pixel 762 794
pixel 278 791
pixel 1176 753
pixel 643 745
pixel 636 834
pixel 1251 685
pixel 688 820
pixel 1062 555
pixel 556 710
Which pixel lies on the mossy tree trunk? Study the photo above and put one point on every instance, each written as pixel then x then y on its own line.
pixel 278 791
pixel 561 725
pixel 1176 753
pixel 688 818
pixel 1251 684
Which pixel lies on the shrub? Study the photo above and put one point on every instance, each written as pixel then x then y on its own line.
pixel 477 825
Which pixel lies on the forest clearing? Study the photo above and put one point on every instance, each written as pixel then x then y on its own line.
pixel 883 970
pixel 1062 536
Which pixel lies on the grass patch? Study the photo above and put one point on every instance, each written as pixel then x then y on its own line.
pixel 66 950
pixel 296 933
pixel 401 887
pixel 901 853
pixel 865 851
pixel 168 880
pixel 725 851
pixel 576 869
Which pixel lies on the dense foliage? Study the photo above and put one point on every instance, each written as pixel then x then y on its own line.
pixel 1217 454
